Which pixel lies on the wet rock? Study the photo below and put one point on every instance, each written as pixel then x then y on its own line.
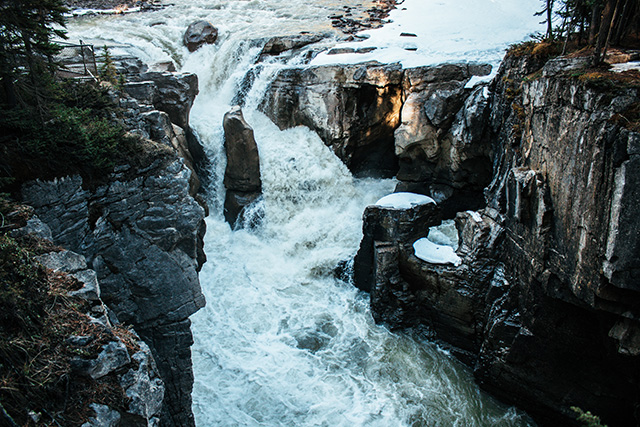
pixel 199 33
pixel 243 161
pixel 242 175
pixel 353 108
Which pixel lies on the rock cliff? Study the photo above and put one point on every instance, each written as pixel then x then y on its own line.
pixel 111 376
pixel 381 120
pixel 141 231
pixel 546 304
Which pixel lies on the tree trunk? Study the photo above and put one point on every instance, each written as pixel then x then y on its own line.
pixel 549 18
pixel 622 22
pixel 595 23
pixel 9 90
pixel 603 33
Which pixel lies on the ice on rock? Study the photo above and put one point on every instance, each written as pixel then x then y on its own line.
pixel 433 253
pixel 404 200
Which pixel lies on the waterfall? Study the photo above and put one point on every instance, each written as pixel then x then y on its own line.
pixel 283 341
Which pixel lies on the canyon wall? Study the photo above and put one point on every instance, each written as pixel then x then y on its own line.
pixel 141 230
pixel 545 305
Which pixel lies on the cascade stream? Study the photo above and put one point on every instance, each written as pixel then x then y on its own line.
pixel 282 341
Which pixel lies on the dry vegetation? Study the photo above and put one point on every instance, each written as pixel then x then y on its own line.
pixel 38 385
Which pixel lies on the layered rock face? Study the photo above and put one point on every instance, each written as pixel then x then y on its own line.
pixel 142 233
pixel 381 120
pixel 546 303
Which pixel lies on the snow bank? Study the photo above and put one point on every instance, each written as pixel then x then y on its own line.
pixel 433 253
pixel 437 31
pixel 404 200
pixel 626 66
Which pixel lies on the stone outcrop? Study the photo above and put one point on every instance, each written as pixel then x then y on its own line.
pixel 382 120
pixel 441 149
pixel 279 44
pixel 389 226
pixel 142 231
pixel 199 33
pixel 546 304
pixel 133 369
pixel 242 174
pixel 354 109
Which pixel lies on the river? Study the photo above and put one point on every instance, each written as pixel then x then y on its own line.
pixel 282 341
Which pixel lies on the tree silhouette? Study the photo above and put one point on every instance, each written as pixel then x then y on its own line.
pixel 27 30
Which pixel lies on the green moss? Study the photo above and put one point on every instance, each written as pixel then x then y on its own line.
pixel 587 418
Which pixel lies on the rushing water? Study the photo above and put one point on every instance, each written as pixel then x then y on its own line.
pixel 282 342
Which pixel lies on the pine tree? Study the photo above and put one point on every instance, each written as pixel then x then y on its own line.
pixel 27 30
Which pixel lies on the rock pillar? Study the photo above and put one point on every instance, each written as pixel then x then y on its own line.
pixel 242 175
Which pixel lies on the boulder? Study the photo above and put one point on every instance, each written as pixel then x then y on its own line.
pixel 242 175
pixel 199 33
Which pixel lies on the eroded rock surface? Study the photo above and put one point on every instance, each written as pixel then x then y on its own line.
pixel 546 303
pixel 381 120
pixel 142 233
pixel 199 33
pixel 354 108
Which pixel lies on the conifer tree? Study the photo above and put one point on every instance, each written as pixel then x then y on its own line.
pixel 27 30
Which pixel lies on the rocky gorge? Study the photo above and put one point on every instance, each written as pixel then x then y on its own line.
pixel 544 306
pixel 539 170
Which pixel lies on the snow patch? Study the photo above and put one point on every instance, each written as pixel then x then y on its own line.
pixel 475 215
pixel 626 66
pixel 404 200
pixel 433 253
pixel 476 80
pixel 469 31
